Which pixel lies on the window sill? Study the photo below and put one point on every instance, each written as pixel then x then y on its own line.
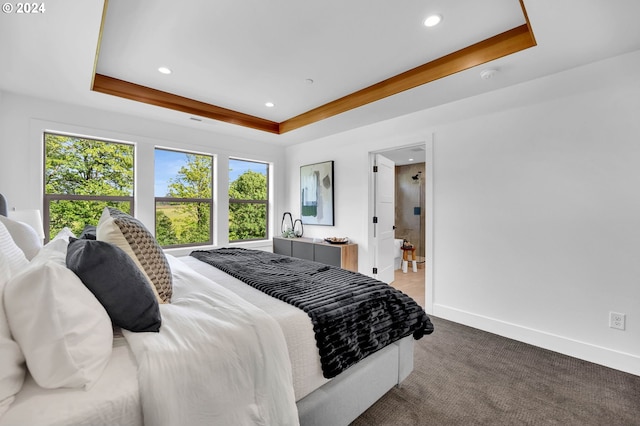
pixel 265 245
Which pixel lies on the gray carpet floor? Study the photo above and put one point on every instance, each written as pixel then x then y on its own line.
pixel 464 376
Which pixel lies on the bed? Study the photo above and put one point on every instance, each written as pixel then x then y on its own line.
pixel 218 351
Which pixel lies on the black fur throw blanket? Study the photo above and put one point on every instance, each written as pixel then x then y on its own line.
pixel 352 314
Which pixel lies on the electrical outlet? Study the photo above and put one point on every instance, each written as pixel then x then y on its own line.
pixel 617 320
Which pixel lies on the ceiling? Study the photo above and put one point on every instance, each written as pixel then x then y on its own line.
pixel 239 55
pixel 414 154
pixel 296 55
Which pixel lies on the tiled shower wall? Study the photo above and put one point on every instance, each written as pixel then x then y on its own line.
pixel 410 205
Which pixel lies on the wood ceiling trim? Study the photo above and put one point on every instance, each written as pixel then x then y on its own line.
pixel 136 92
pixel 526 19
pixel 504 44
pixel 509 42
pixel 95 60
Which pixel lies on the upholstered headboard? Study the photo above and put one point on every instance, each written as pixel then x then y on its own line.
pixel 3 205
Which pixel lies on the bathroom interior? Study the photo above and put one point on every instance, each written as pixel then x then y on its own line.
pixel 410 226
pixel 409 211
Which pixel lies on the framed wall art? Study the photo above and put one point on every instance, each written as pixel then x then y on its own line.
pixel 316 193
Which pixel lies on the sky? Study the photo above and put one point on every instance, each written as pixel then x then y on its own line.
pixel 168 163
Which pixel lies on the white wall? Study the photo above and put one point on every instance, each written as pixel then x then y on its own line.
pixel 23 119
pixel 536 207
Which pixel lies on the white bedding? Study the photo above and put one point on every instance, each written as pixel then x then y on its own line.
pixel 296 325
pixel 114 400
pixel 216 360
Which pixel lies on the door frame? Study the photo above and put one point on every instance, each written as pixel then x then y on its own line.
pixel 428 144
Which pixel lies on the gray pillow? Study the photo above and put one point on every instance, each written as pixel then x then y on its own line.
pixel 88 233
pixel 117 283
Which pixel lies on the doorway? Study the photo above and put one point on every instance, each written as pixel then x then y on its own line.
pixel 413 217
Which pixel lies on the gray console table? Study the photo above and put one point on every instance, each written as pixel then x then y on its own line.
pixel 341 255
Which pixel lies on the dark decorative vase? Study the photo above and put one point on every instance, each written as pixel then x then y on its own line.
pixel 3 205
pixel 286 228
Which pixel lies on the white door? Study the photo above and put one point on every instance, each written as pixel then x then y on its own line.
pixel 384 212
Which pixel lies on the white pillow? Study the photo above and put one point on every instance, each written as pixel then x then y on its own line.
pixel 64 234
pixel 16 260
pixel 12 367
pixel 64 332
pixel 24 236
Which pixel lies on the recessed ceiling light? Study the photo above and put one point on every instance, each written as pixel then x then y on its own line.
pixel 432 20
pixel 164 70
pixel 269 104
pixel 410 159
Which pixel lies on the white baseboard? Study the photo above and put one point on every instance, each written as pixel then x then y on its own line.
pixel 622 361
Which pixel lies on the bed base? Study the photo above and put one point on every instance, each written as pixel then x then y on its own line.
pixel 344 398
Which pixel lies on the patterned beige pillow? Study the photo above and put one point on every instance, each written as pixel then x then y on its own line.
pixel 130 235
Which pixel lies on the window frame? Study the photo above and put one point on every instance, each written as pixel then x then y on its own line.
pixel 47 199
pixel 210 200
pixel 249 201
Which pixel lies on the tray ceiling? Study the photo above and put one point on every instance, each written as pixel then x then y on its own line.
pixel 311 60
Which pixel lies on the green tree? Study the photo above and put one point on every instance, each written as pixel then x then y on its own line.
pixel 194 180
pixel 248 220
pixel 165 232
pixel 85 167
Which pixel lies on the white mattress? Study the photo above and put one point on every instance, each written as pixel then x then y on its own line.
pixel 113 400
pixel 296 326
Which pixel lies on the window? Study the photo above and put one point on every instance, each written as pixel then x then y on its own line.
pixel 81 177
pixel 183 196
pixel 248 200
